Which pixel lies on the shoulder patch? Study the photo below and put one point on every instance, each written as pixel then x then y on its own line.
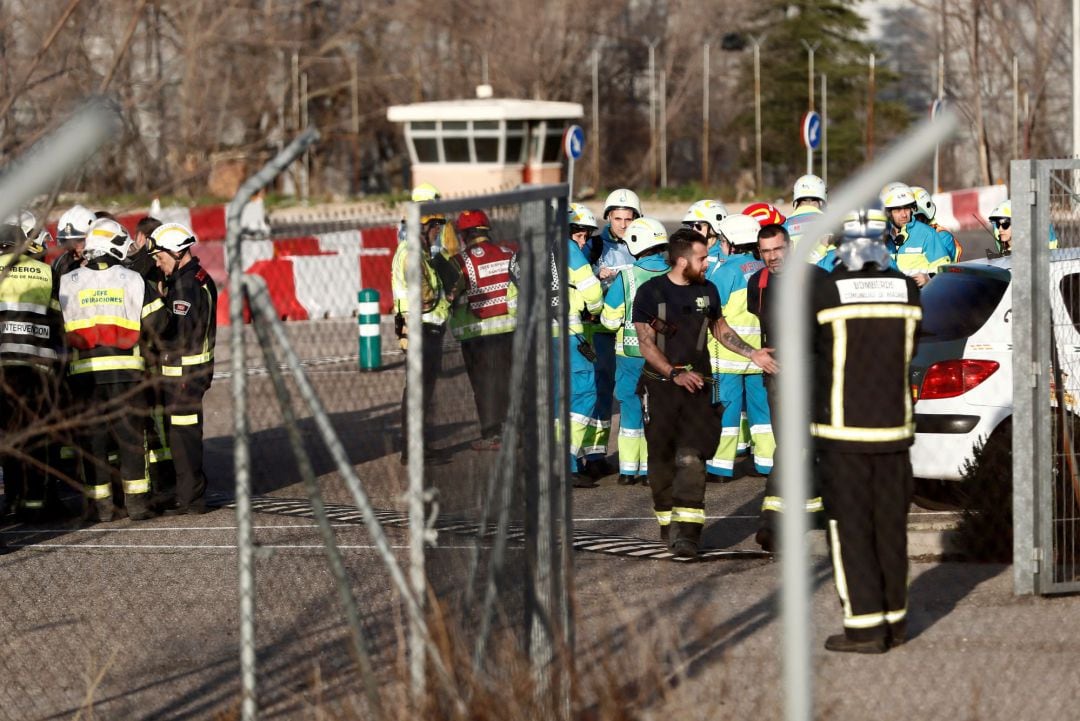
pixel 477 252
pixel 202 275
pixel 180 307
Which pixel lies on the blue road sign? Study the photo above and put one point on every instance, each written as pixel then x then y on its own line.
pixel 811 130
pixel 574 141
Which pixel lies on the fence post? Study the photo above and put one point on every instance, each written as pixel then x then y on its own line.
pixel 368 325
pixel 245 538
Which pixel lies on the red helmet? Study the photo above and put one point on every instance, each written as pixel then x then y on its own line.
pixel 764 214
pixel 472 219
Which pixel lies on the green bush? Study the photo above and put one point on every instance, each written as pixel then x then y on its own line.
pixel 985 495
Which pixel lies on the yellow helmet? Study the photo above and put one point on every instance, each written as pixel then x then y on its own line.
pixel 425 192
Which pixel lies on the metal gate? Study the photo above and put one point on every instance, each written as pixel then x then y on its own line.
pixel 1046 369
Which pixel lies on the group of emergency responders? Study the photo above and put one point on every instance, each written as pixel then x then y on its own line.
pixel 105 354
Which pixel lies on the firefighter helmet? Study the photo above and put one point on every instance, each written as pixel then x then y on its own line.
pixel 74 224
pixel 706 211
pixel 764 214
pixel 582 217
pixel 899 197
pixel 924 203
pixel 425 192
pixel 107 237
pixel 862 239
pixel 470 219
pixel 740 230
pixel 645 233
pixel 173 238
pixel 809 187
pixel 622 198
pixel 1003 210
pixel 11 235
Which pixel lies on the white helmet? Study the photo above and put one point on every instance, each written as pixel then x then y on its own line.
pixel 28 221
pixel 582 216
pixel 865 223
pixel 622 198
pixel 645 233
pixel 899 197
pixel 889 187
pixel 1004 210
pixel 740 230
pixel 74 224
pixel 924 204
pixel 809 186
pixel 107 237
pixel 706 211
pixel 172 237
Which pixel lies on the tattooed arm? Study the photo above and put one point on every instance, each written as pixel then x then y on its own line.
pixel 730 339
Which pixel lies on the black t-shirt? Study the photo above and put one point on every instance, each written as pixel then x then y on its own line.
pixel 686 311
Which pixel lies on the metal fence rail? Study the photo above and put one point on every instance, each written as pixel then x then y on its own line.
pixel 1046 311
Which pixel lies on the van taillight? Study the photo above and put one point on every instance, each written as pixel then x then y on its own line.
pixel 952 378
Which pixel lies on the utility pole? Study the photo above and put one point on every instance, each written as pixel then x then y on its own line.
pixel 596 117
pixel 825 129
pixel 870 92
pixel 1016 108
pixel 705 117
pixel 940 98
pixel 757 113
pixel 663 128
pixel 652 112
pixel 810 48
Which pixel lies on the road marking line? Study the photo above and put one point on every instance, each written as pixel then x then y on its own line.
pixel 193 546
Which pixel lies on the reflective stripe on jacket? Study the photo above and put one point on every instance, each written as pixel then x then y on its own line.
pixel 619 302
pixel 108 310
pixel 30 324
pixel 730 281
pixel 435 307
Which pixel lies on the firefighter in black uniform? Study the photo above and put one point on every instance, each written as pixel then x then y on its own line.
pixel 187 358
pixel 158 453
pixel 110 316
pixel 867 321
pixel 31 339
pixel 774 243
pixel 673 313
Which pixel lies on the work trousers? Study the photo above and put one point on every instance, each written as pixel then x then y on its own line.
pixel 431 357
pixel 113 416
pixel 184 426
pixel 682 429
pixel 487 362
pixel 582 404
pixel 159 460
pixel 633 450
pixel 743 394
pixel 773 503
pixel 866 502
pixel 25 398
pixel 596 440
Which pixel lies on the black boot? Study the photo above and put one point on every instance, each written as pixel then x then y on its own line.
pixel 842 644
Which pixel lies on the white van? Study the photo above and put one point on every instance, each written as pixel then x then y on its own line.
pixel 961 376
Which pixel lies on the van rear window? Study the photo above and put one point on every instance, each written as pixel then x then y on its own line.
pixel 955 305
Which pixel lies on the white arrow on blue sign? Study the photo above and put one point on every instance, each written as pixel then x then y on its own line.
pixel 574 141
pixel 811 130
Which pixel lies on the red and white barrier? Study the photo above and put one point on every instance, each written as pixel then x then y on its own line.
pixel 315 276
pixel 964 209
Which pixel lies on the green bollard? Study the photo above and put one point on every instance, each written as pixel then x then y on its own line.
pixel 368 321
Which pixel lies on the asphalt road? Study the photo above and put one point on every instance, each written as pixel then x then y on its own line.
pixel 140 621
